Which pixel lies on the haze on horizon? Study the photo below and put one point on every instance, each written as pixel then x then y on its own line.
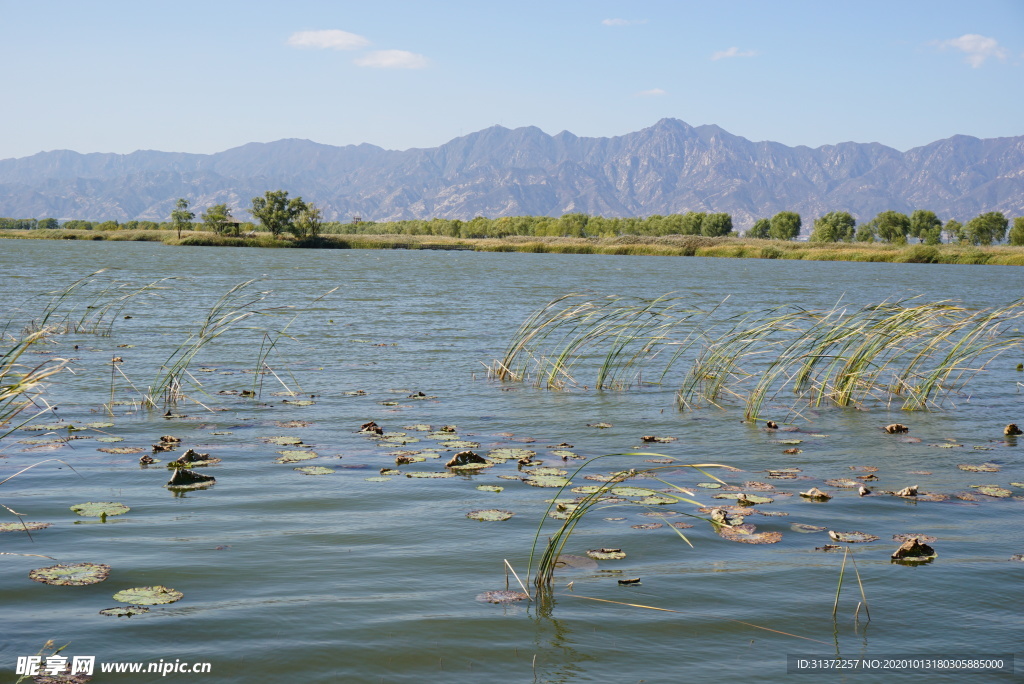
pixel 204 77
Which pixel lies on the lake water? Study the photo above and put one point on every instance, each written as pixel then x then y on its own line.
pixel 289 577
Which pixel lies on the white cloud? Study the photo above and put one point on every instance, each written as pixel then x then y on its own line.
pixel 651 93
pixel 977 48
pixel 623 22
pixel 732 52
pixel 331 39
pixel 392 59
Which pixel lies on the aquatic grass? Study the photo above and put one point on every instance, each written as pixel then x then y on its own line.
pixel 20 383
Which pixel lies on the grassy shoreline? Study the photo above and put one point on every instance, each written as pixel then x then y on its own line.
pixel 670 245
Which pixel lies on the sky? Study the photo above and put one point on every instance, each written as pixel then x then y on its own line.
pixel 187 76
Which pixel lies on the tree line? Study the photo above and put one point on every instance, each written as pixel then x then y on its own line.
pixel 278 214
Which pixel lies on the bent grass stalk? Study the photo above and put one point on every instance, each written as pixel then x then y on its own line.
pixel 20 383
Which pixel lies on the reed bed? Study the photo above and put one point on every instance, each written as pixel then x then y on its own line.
pixel 20 382
pixel 907 351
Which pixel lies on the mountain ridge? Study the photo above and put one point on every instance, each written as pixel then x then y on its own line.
pixel 669 167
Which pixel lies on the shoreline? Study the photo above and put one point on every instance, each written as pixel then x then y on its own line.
pixel 625 245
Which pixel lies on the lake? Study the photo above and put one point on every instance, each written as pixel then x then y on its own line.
pixel 343 576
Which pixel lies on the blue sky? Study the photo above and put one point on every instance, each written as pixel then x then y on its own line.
pixel 186 76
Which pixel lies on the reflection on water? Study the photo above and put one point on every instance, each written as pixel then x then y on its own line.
pixel 295 577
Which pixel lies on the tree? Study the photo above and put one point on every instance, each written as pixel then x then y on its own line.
pixel 836 226
pixel 47 223
pixel 216 218
pixel 275 211
pixel 954 231
pixel 892 226
pixel 866 232
pixel 716 225
pixel 922 221
pixel 760 229
pixel 308 223
pixel 181 217
pixel 932 236
pixel 986 228
pixel 1016 236
pixel 784 226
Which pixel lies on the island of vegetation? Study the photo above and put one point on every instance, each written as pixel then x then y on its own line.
pixel 891 236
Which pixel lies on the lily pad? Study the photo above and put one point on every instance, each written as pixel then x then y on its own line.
pixel 502 596
pixel 100 509
pixel 648 526
pixel 294 456
pixel 992 490
pixel 851 537
pixel 510 454
pixel 148 596
pixel 460 444
pixel 490 515
pixel 633 491
pixel 565 455
pixel 601 426
pixel 110 440
pixel 298 402
pixel 587 489
pixel 913 551
pixel 536 472
pixel 283 440
pixel 490 488
pixel 980 468
pixel 72 575
pixel 430 475
pixel 315 470
pixel 419 427
pixel 741 497
pixel 788 441
pixel 806 529
pixel 100 425
pixel 292 423
pixel 923 538
pixel 547 481
pixel 658 500
pixel 21 527
pixel 843 483
pixel 568 561
pixel 747 534
pixel 377 478
pixel 124 612
pixel 606 554
pixel 709 485
pixel 121 450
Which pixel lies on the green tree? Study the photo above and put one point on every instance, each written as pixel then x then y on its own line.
pixel 954 231
pixel 759 230
pixel 716 225
pixel 836 226
pixel 308 223
pixel 1016 236
pixel 866 232
pixel 275 211
pixel 986 228
pixel 933 236
pixel 784 226
pixel 48 223
pixel 181 217
pixel 217 219
pixel 892 226
pixel 922 221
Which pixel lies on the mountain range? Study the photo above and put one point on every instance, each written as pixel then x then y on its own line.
pixel 670 167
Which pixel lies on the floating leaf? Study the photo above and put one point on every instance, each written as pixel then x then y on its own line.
pixel 490 488
pixel 751 499
pixel 110 440
pixel 377 478
pixel 420 427
pixel 73 575
pixel 806 529
pixel 747 534
pixel 633 491
pixel 460 444
pixel 315 470
pixel 647 526
pixel 787 441
pixel 99 509
pixel 21 527
pixel 292 423
pixel 502 596
pixel 293 456
pixel 430 475
pixel 298 402
pixel 709 485
pixel 992 490
pixel 843 482
pixel 681 525
pixel 661 440
pixel 283 440
pixel 568 561
pixel 565 455
pixel 924 538
pixel 124 612
pixel 537 472
pixel 390 471
pixel 599 425
pixel 148 596
pixel 510 454
pixel 657 500
pixel 121 450
pixel 99 426
pixel 606 554
pixel 587 489
pixel 547 481
pixel 490 515
pixel 980 468
pixel 851 537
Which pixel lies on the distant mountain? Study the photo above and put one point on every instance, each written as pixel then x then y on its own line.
pixel 668 168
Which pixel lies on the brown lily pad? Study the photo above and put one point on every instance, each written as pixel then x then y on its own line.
pixel 72 575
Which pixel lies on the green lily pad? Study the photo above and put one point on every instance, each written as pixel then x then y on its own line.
pixel 565 455
pixel 647 526
pixel 21 527
pixel 148 596
pixel 606 554
pixel 538 472
pixel 658 500
pixel 430 475
pixel 806 529
pixel 980 468
pixel 1017 484
pixel 73 575
pixel 490 488
pixel 905 537
pixel 293 456
pixel 601 426
pixel 419 427
pixel 747 534
pixel 283 440
pixel 788 441
pixel 390 471
pixel 633 491
pixel 121 450
pixel 298 402
pixel 851 537
pixel 547 481
pixel 315 470
pixel 99 509
pixel 377 478
pixel 843 483
pixel 124 612
pixel 992 490
pixel 99 426
pixel 502 596
pixel 588 489
pixel 745 498
pixel 709 485
pixel 47 426
pixel 110 439
pixel 460 444
pixel 510 454
pixel 490 515
pixel 392 441
pixel 511 477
